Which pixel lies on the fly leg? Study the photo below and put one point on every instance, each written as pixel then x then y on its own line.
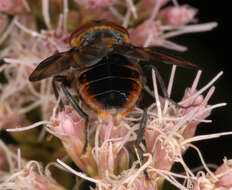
pixel 140 138
pixel 143 123
pixel 160 80
pixel 163 87
pixel 63 84
pixel 61 104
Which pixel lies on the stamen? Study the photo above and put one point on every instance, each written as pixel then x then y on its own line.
pixel 155 9
pixel 132 8
pixel 195 82
pixel 25 110
pixel 208 95
pixel 210 108
pixel 185 119
pixel 27 30
pixel 45 11
pixel 132 178
pixel 37 124
pixel 148 40
pixel 170 84
pixel 26 5
pixel 202 89
pixel 203 162
pixel 24 61
pixel 171 180
pixel 126 19
pixel 97 144
pixel 65 11
pixel 82 175
pixel 171 80
pixel 8 30
pixel 172 45
pixel 19 158
pixel 206 137
pixel 156 95
pixel 191 29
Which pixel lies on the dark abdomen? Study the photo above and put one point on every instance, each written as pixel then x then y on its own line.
pixel 112 86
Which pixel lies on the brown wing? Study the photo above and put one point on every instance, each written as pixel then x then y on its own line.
pixel 76 58
pixel 53 65
pixel 151 54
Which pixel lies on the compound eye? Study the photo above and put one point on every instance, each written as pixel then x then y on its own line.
pixel 75 37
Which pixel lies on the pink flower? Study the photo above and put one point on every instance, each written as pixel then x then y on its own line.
pixel 12 6
pixel 69 127
pixel 169 127
pixel 147 31
pixel 221 179
pixel 177 16
pixel 224 173
pixel 110 151
pixel 110 156
pixel 29 177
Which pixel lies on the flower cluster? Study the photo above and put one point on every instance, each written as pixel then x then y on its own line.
pixel 32 30
pixel 25 175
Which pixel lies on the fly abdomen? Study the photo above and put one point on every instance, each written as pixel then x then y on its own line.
pixel 112 92
pixel 112 86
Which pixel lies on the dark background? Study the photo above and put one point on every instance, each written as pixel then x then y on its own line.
pixel 209 50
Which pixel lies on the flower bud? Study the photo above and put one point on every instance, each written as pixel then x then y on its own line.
pixel 69 127
pixel 177 16
pixel 147 31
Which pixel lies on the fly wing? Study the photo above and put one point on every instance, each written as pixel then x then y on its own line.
pixel 53 65
pixel 76 58
pixel 151 54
